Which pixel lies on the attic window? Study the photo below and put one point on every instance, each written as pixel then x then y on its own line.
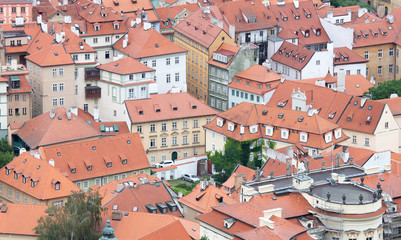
pixel 318 31
pixel 57 186
pixel 175 108
pixel 331 115
pixel 8 171
pixel 300 119
pixel 264 112
pixel 370 108
pixel 307 33
pixel 156 45
pixel 93 148
pixel 108 164
pixel 248 83
pixel 281 115
pixel 140 112
pixel 368 119
pixel 73 170
pixel 103 14
pixel 301 59
pixel 16 175
pixel 33 183
pixel 356 102
pixel 194 107
pixel 55 53
pixel 128 142
pixel 89 168
pixel 24 179
pixel 124 161
pixel 97 27
pixel 116 26
pixel 58 154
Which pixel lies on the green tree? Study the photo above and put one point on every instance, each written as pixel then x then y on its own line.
pixel 384 90
pixel 6 153
pixel 346 3
pixel 78 219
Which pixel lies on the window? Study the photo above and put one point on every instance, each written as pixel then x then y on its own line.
pixel 9 58
pixel 10 112
pixel 152 159
pixel 54 87
pixel 87 56
pixel 366 141
pixel 196 123
pixel 177 77
pixel 379 70
pixel 61 101
pixel 174 125
pixel 164 127
pixel 153 63
pixel 317 62
pixel 152 128
pixel 380 53
pixel 107 54
pixel 196 138
pixel 75 57
pixel 61 71
pixel 386 125
pixel 348 72
pixel 184 139
pixel 139 129
pixel 177 60
pixel 105 180
pixel 9 192
pixel 167 61
pixel 185 124
pixel 143 75
pixel 174 141
pixel 54 71
pixel 24 111
pixel 366 55
pixel 107 39
pixel 164 142
pixel 61 86
pixel 390 68
pixel 354 139
pixel 14 9
pixel 54 101
pixel 152 143
pixel 1 10
pixel 168 78
pixel 391 51
pixel 94 40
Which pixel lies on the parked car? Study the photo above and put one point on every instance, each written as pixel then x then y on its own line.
pixel 190 178
pixel 164 164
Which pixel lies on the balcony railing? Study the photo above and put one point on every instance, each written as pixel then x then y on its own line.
pixel 92 74
pixel 93 92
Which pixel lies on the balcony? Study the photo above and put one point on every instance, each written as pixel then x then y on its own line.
pixel 92 74
pixel 93 92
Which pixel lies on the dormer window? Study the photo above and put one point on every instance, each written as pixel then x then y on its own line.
pixel 33 183
pixel 328 137
pixel 230 127
pixel 219 122
pixel 269 131
pixel 307 33
pixel 73 170
pixel 116 26
pixel 89 168
pixel 57 186
pixel 303 137
pixel 108 164
pixel 337 133
pixel 228 222
pixel 124 161
pixel 97 27
pixel 253 129
pixel 318 32
pixel 16 175
pixel 284 133
pixel 103 14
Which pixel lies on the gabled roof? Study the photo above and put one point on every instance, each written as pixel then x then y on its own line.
pixel 170 13
pixel 258 233
pixel 237 12
pixel 29 30
pixel 25 87
pixel 259 73
pixel 53 55
pixel 128 6
pixel 97 13
pixel 41 172
pixel 203 200
pixel 21 219
pixel 394 104
pixel 185 106
pixel 71 42
pixel 43 130
pixel 374 33
pixel 146 43
pixel 226 49
pixel 125 66
pixel 199 28
pixel 296 21
pixel 292 55
pixel 105 28
pixel 97 153
pixel 344 55
pixel 250 173
pixel 139 196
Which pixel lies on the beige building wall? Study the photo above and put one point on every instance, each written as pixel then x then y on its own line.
pixel 21 107
pixel 10 194
pixel 45 97
pixel 214 141
pixel 16 237
pixel 190 213
pixel 185 128
pixel 197 66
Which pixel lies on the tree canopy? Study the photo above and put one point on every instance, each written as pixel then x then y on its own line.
pixel 78 219
pixel 6 153
pixel 384 90
pixel 346 3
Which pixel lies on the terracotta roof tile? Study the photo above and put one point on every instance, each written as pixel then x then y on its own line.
pixel 25 87
pixel 198 26
pixel 292 55
pixel 187 106
pixel 93 152
pixel 344 55
pixel 170 13
pixel 374 33
pixel 21 219
pixel 37 170
pixel 128 6
pixel 394 104
pixel 245 212
pixel 43 131
pixel 99 13
pixel 228 50
pixel 250 173
pixel 52 55
pixel 146 44
pixel 216 219
pixel 258 233
pixel 286 229
pixel 125 66
pixel 203 201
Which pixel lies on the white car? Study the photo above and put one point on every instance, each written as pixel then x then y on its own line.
pixel 164 164
pixel 190 178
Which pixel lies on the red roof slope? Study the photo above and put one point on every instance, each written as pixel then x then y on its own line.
pixel 344 55
pixel 186 106
pixel 125 66
pixel 52 55
pixel 43 130
pixel 38 171
pixel 292 55
pixel 97 153
pixel 394 104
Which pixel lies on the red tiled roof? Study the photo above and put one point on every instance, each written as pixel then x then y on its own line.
pixel 293 56
pixel 216 219
pixel 43 131
pixel 146 44
pixel 347 56
pixel 21 219
pixel 52 55
pixel 37 170
pixel 374 33
pixel 171 12
pixel 394 104
pixel 106 28
pixel 302 24
pixel 258 233
pixel 125 66
pixel 128 6
pixel 286 229
pixel 203 201
pixel 187 106
pixel 236 11
pixel 246 212
pixel 250 173
pixel 96 153
pixel 228 50
pixel 122 128
pixel 355 85
pixel 198 26
pixel 25 87
pixel 93 13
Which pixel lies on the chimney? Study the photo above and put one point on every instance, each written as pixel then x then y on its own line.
pixel 394 95
pixel 257 175
pixel 67 19
pixel 341 80
pixel 147 26
pixel 266 63
pixel 203 185
pixel 296 4
pixel 238 179
pixel 52 114
pixel 96 114
pixel 74 110
pixel 68 113
pixel 38 18
pixel 346 154
pixel 51 162
pixel 267 214
pixel 231 30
